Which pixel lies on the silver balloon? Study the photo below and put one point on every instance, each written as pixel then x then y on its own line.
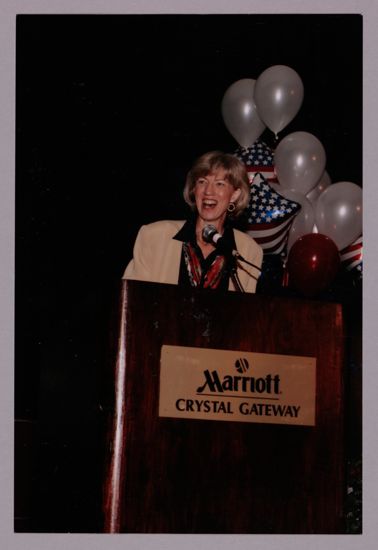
pixel 304 221
pixel 278 96
pixel 240 114
pixel 299 161
pixel 338 213
pixel 323 183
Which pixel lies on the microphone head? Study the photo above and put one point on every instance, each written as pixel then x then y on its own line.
pixel 208 233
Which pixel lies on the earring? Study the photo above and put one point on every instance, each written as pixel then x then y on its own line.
pixel 231 207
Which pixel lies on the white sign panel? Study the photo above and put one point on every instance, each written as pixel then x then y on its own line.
pixel 211 384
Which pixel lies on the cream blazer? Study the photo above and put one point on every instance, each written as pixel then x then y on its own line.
pixel 157 256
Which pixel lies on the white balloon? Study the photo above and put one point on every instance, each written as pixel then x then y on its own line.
pixel 240 114
pixel 278 96
pixel 323 183
pixel 338 213
pixel 299 161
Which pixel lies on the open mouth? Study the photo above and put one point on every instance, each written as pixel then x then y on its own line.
pixel 209 204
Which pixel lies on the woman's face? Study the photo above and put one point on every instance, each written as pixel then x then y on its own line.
pixel 213 193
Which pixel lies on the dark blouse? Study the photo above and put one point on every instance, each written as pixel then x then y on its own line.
pixel 195 270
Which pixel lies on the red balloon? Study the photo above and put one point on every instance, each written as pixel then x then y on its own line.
pixel 312 264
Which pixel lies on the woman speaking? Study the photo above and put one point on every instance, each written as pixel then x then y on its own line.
pixel 204 251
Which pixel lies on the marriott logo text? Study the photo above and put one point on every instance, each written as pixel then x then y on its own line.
pixel 267 384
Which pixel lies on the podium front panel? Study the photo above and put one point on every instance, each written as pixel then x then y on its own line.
pixel 170 475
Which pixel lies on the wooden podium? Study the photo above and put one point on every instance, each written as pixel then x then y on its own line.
pixel 170 475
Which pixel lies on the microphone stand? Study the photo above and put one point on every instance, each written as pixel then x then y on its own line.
pixel 236 254
pixel 233 272
pixel 235 279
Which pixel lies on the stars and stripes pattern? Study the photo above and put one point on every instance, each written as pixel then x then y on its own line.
pixel 351 256
pixel 258 159
pixel 270 216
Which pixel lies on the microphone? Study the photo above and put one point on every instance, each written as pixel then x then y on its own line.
pixel 210 235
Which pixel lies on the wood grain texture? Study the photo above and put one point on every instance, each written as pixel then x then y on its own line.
pixel 201 476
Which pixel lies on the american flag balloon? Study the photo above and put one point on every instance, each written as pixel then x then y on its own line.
pixel 351 256
pixel 258 159
pixel 270 216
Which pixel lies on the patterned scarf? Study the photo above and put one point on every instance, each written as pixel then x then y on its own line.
pixel 213 275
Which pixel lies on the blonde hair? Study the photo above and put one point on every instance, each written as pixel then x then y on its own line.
pixel 235 174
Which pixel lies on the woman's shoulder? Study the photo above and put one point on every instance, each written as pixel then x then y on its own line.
pixel 164 225
pixel 242 236
pixel 245 240
pixel 162 228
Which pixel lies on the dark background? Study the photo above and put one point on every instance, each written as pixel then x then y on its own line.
pixel 110 113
